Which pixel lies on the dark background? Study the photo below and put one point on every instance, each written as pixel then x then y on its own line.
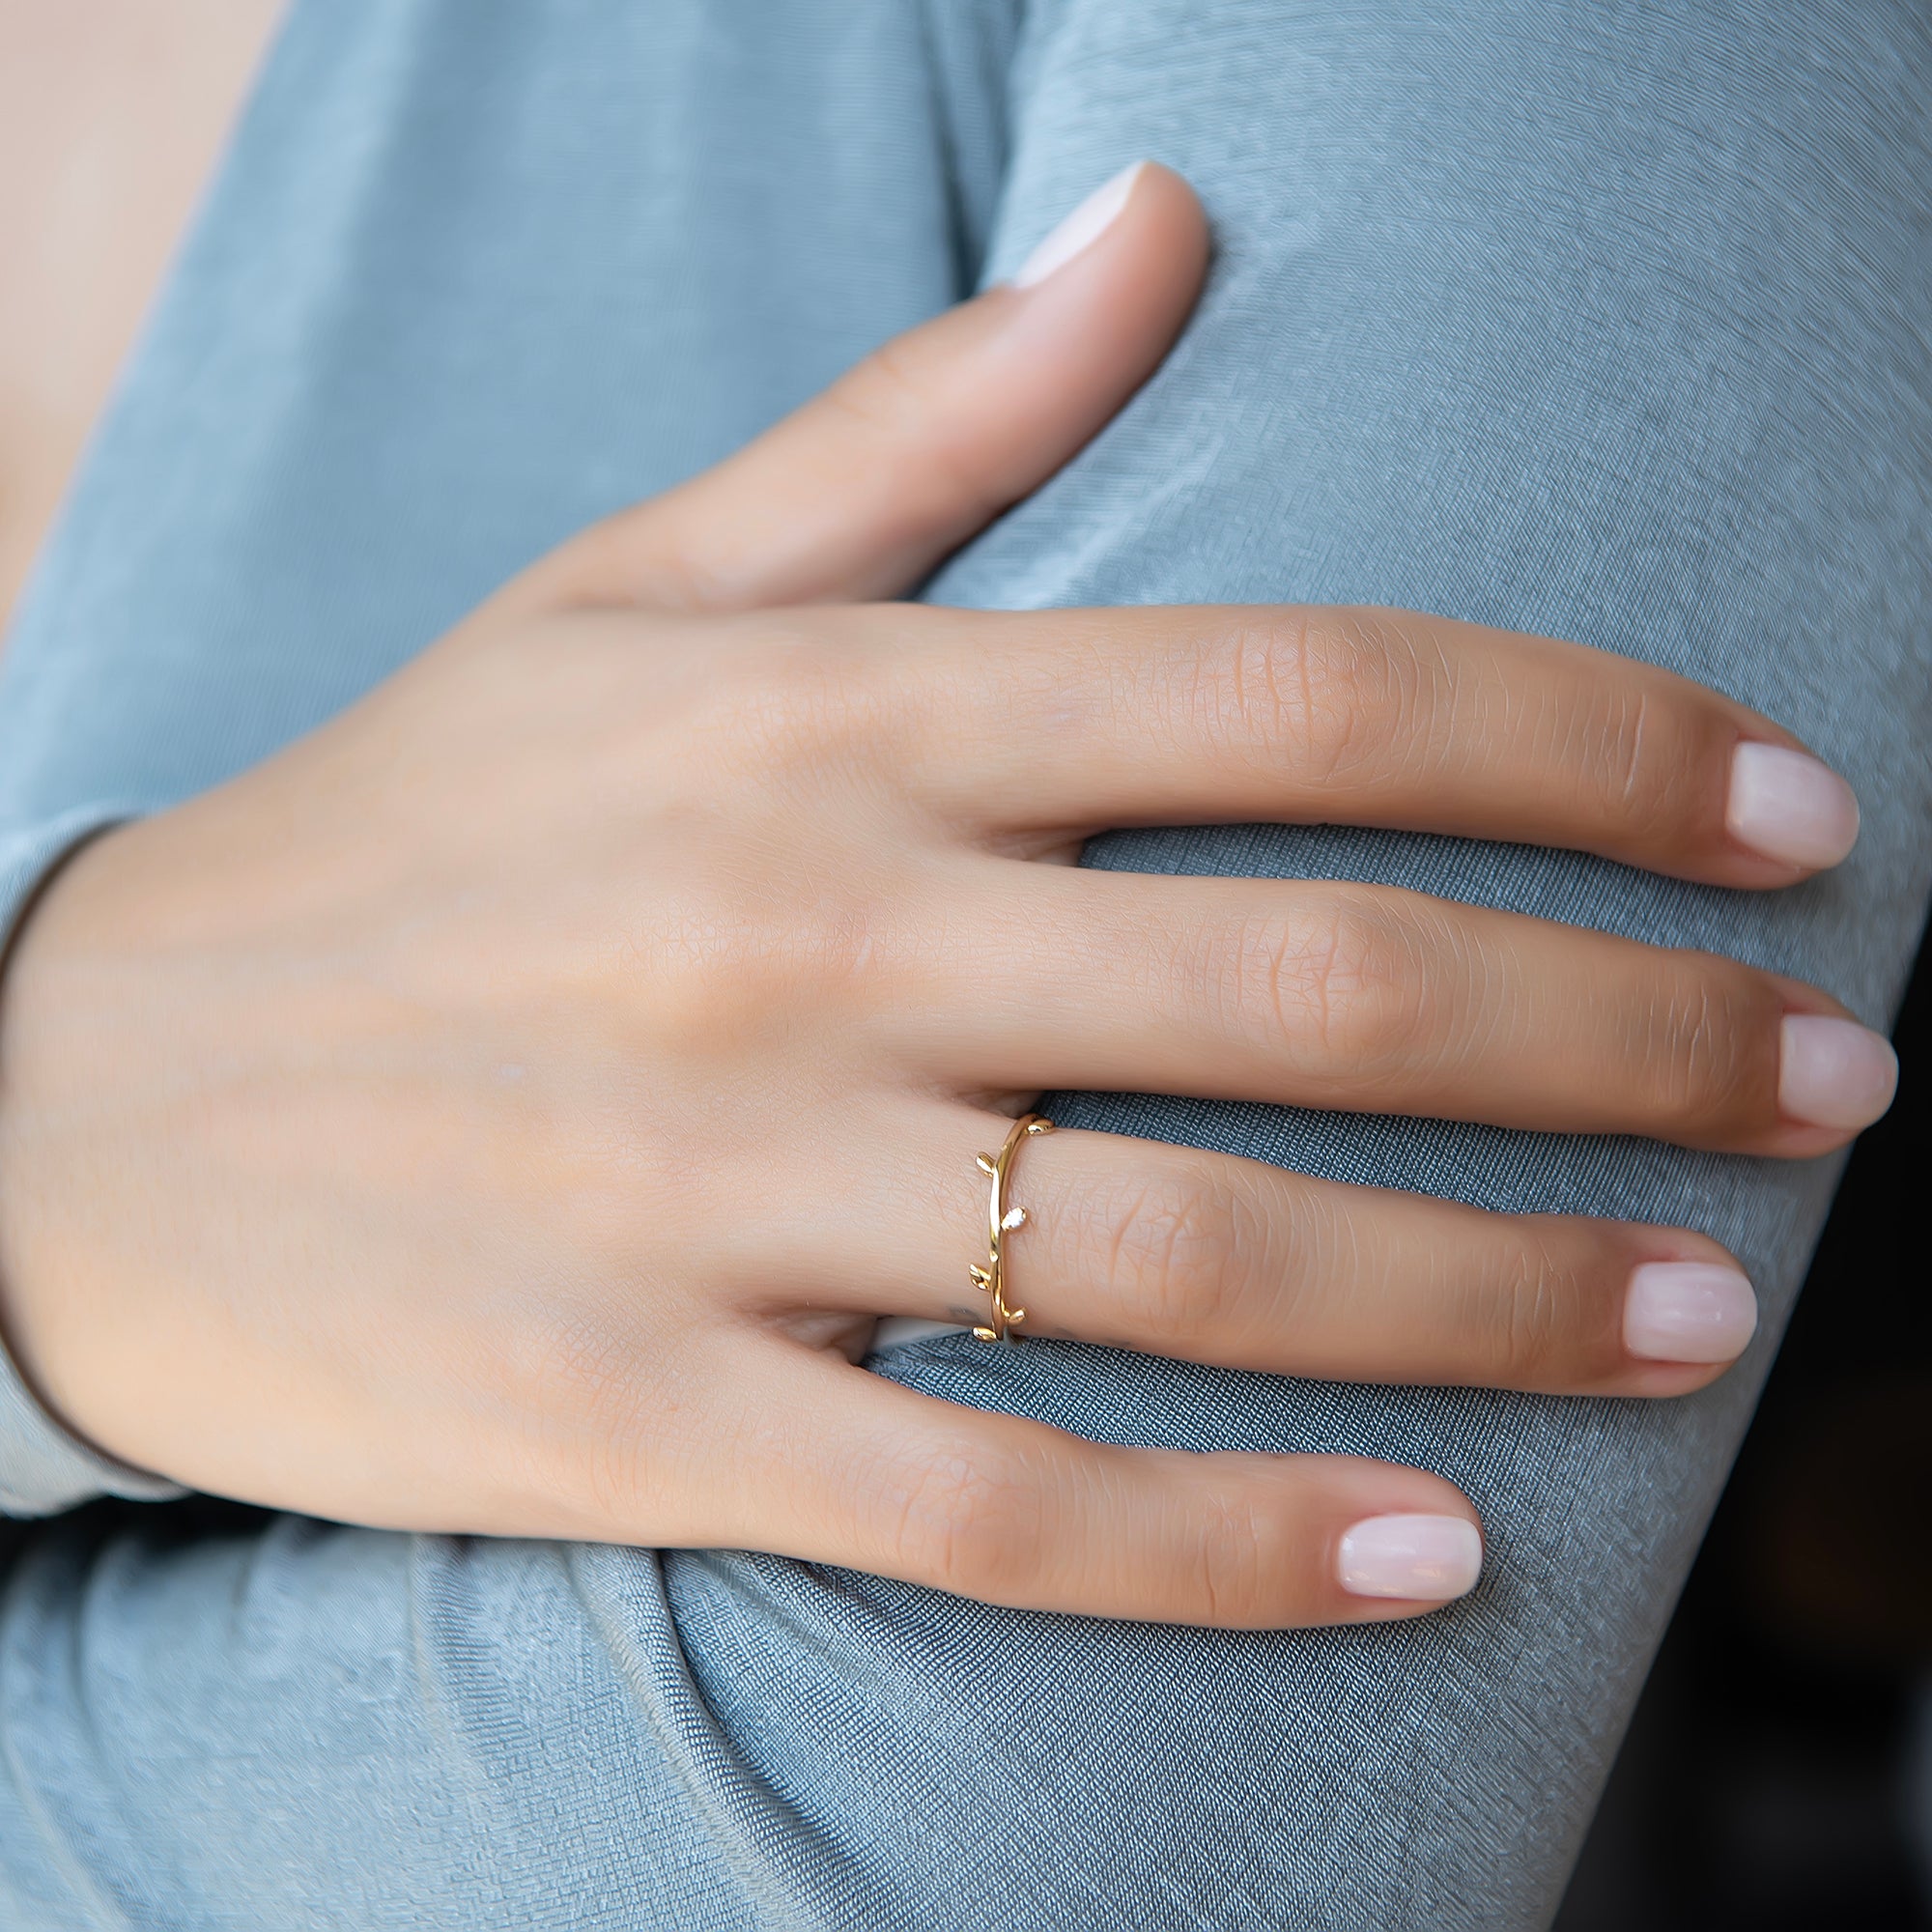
pixel 1764 1781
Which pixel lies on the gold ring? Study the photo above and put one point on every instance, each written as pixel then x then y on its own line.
pixel 1001 1221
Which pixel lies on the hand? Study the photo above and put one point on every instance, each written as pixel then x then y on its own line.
pixel 509 1108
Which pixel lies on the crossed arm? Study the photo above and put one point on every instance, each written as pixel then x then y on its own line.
pixel 805 1719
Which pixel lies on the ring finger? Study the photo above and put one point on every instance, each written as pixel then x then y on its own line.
pixel 1212 1258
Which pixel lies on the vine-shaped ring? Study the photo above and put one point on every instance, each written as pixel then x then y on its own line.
pixel 1001 1221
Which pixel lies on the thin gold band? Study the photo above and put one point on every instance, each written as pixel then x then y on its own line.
pixel 1001 1221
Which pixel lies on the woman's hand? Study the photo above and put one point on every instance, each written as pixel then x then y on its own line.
pixel 510 1108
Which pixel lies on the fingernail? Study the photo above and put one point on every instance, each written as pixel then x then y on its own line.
pixel 1428 1559
pixel 1689 1312
pixel 1085 225
pixel 1786 805
pixel 1834 1073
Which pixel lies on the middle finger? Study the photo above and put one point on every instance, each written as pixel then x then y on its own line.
pixel 1372 999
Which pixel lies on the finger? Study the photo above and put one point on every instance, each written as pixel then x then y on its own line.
pixel 1374 999
pixel 1210 1258
pixel 860 492
pixel 858 1471
pixel 1071 721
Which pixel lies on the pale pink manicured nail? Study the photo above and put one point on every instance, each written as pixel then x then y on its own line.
pixel 1085 225
pixel 1834 1073
pixel 1426 1559
pixel 1689 1312
pixel 1785 804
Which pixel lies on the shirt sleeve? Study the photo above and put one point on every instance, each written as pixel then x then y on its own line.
pixel 1590 332
pixel 44 1467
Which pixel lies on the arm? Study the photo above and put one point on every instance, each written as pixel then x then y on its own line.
pixel 768 1642
pixel 348 1152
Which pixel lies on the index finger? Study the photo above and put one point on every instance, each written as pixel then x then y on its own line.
pixel 1069 721
pixel 862 490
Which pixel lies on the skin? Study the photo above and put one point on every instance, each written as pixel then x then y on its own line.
pixel 111 112
pixel 509 1108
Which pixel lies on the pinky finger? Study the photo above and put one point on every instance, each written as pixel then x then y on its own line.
pixel 877 1477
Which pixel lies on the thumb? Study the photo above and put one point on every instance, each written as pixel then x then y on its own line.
pixel 862 491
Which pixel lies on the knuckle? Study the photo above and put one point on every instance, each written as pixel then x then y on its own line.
pixel 740 919
pixel 1534 1318
pixel 898 403
pixel 1706 1053
pixel 1400 674
pixel 640 555
pixel 1350 687
pixel 720 963
pixel 1341 977
pixel 1309 685
pixel 889 394
pixel 786 701
pixel 1167 1249
pixel 1647 773
pixel 966 1518
pixel 1241 1555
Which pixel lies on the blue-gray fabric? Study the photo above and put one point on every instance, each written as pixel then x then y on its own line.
pixel 1606 321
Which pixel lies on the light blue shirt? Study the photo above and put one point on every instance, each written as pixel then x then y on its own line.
pixel 1599 322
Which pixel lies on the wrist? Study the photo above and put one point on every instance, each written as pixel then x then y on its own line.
pixel 57 1055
